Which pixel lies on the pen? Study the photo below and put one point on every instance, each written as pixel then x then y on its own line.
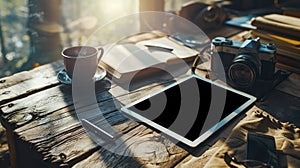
pixel 159 47
pixel 96 130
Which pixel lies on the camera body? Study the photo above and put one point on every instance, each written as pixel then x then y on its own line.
pixel 243 63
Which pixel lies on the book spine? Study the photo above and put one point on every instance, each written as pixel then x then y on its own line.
pixel 288 61
pixel 288 68
pixel 266 24
pixel 283 48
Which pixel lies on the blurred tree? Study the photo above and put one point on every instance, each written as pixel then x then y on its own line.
pixel 3 50
pixel 44 28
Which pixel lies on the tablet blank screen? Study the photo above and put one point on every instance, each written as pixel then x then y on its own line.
pixel 173 96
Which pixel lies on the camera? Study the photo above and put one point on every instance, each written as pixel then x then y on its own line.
pixel 243 63
pixel 207 16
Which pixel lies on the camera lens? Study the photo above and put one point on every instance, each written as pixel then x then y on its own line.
pixel 241 74
pixel 243 71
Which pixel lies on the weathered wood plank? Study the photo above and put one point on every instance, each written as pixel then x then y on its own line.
pixel 21 111
pixel 41 132
pixel 47 127
pixel 44 135
pixel 47 122
pixel 148 149
pixel 4 154
pixel 63 136
pixel 75 143
pixel 27 82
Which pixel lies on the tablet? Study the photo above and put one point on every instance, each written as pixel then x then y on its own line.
pixel 190 110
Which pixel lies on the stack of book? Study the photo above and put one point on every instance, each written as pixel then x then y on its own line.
pixel 284 31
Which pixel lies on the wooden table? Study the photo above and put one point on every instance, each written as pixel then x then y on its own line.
pixel 43 130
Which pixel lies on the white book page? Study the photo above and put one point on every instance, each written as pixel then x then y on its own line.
pixel 130 57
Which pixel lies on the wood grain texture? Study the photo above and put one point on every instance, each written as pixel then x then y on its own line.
pixel 147 149
pixel 43 120
pixel 26 82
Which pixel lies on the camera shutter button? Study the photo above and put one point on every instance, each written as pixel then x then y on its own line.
pixel 271 46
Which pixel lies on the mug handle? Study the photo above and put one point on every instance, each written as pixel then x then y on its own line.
pixel 100 53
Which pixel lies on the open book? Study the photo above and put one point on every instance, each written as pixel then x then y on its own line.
pixel 146 57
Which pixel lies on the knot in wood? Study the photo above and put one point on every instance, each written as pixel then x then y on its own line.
pixel 10 105
pixel 6 92
pixel 207 76
pixel 62 156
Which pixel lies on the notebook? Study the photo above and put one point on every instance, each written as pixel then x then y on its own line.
pixel 146 57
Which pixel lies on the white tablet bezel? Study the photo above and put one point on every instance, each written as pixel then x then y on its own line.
pixel 204 136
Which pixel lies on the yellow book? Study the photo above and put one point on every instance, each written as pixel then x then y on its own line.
pixel 285 46
pixel 275 37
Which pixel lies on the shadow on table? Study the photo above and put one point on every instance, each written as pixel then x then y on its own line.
pixel 141 79
pixel 105 116
pixel 220 135
pixel 282 106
